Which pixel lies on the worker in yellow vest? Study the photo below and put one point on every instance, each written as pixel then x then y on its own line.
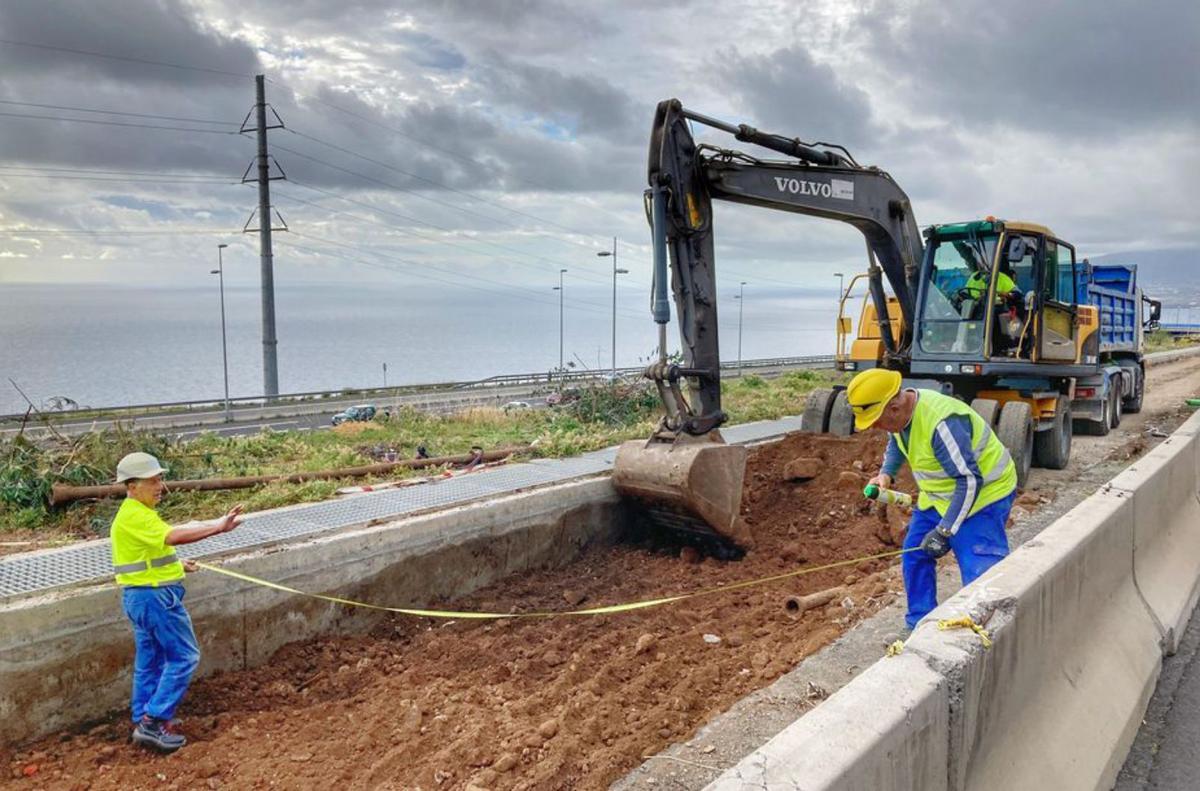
pixel 966 478
pixel 151 578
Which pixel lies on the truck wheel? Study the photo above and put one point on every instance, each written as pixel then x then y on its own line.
pixel 1114 411
pixel 841 416
pixel 1052 448
pixel 815 418
pixel 988 409
pixel 1015 432
pixel 1133 404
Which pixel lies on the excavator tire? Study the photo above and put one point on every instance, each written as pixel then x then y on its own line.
pixel 815 418
pixel 1015 432
pixel 988 409
pixel 841 416
pixel 1052 448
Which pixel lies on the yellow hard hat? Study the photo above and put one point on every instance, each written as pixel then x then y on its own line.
pixel 869 392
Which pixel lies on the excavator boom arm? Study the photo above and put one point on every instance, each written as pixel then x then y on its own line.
pixel 685 178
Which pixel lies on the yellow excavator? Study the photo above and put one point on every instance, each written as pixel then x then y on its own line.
pixel 988 310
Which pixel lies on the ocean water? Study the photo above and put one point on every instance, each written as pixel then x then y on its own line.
pixel 104 345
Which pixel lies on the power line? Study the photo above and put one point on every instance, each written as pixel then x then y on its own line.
pixel 410 232
pixel 117 112
pixel 447 187
pixel 115 123
pixel 124 231
pixel 424 267
pixel 140 180
pixel 55 169
pixel 126 59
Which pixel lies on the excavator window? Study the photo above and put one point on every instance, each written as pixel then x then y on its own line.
pixel 954 312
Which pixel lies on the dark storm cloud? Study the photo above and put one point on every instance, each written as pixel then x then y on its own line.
pixel 787 92
pixel 162 30
pixel 1059 68
pixel 581 104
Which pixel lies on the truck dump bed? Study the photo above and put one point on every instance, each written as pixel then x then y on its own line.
pixel 1113 289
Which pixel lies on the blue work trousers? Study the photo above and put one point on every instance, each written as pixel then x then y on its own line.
pixel 166 650
pixel 979 544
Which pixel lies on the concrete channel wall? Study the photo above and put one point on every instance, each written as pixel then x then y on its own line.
pixel 1080 618
pixel 65 657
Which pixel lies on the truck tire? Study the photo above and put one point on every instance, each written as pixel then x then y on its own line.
pixel 1133 404
pixel 841 416
pixel 815 418
pixel 1052 448
pixel 1114 412
pixel 988 409
pixel 1099 428
pixel 1015 432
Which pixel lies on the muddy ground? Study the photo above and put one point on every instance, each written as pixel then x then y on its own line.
pixel 541 704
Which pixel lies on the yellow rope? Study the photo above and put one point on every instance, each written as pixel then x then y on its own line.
pixel 608 610
pixel 965 622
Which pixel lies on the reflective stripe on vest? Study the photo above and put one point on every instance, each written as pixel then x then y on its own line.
pixel 153 563
pixel 936 485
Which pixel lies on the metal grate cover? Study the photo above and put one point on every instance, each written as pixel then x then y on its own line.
pixel 40 571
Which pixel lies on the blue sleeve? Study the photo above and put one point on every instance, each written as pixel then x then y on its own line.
pixel 892 458
pixel 952 448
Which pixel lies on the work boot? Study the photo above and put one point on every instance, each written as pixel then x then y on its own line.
pixel 158 734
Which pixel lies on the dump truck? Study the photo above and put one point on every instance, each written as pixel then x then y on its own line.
pixel 1120 381
pixel 997 312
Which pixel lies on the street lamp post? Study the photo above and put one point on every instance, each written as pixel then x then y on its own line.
pixel 841 280
pixel 220 273
pixel 559 289
pixel 741 303
pixel 616 272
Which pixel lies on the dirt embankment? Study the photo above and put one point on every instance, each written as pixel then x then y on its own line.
pixel 531 704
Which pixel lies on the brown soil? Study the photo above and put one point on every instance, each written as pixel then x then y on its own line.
pixel 531 704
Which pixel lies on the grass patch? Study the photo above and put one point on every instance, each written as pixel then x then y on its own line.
pixel 597 417
pixel 1161 341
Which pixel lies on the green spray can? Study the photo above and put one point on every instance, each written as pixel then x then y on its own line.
pixel 874 492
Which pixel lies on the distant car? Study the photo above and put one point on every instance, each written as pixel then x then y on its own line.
pixel 360 413
pixel 514 405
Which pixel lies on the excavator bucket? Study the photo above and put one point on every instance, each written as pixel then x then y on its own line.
pixel 688 484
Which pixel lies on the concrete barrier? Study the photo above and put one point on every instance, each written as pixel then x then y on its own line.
pixel 1058 698
pixel 65 657
pixel 1055 703
pixel 1165 487
pixel 889 728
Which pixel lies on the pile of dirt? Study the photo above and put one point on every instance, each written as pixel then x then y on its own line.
pixel 531 704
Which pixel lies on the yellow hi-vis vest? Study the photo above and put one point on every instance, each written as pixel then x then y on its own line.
pixel 140 554
pixel 936 485
pixel 977 285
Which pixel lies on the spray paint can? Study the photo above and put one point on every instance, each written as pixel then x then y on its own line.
pixel 874 492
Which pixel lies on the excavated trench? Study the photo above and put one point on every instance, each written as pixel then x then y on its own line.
pixel 534 704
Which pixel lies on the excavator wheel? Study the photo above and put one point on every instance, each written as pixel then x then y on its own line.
pixel 1015 431
pixel 988 409
pixel 688 485
pixel 817 409
pixel 841 416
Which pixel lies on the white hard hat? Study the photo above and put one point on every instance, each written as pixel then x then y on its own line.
pixel 138 465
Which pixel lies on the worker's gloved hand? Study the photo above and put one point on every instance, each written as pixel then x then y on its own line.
pixel 936 543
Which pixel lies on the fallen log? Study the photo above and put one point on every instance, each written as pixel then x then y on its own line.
pixel 61 493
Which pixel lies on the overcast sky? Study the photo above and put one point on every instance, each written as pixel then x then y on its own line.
pixel 498 141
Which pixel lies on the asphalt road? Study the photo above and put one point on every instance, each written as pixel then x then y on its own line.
pixel 315 414
pixel 1164 754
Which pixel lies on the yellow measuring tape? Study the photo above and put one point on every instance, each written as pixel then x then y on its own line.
pixel 614 608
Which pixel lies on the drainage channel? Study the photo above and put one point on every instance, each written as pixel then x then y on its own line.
pixel 37 572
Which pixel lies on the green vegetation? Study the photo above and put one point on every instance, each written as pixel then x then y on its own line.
pixel 591 418
pixel 1160 341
